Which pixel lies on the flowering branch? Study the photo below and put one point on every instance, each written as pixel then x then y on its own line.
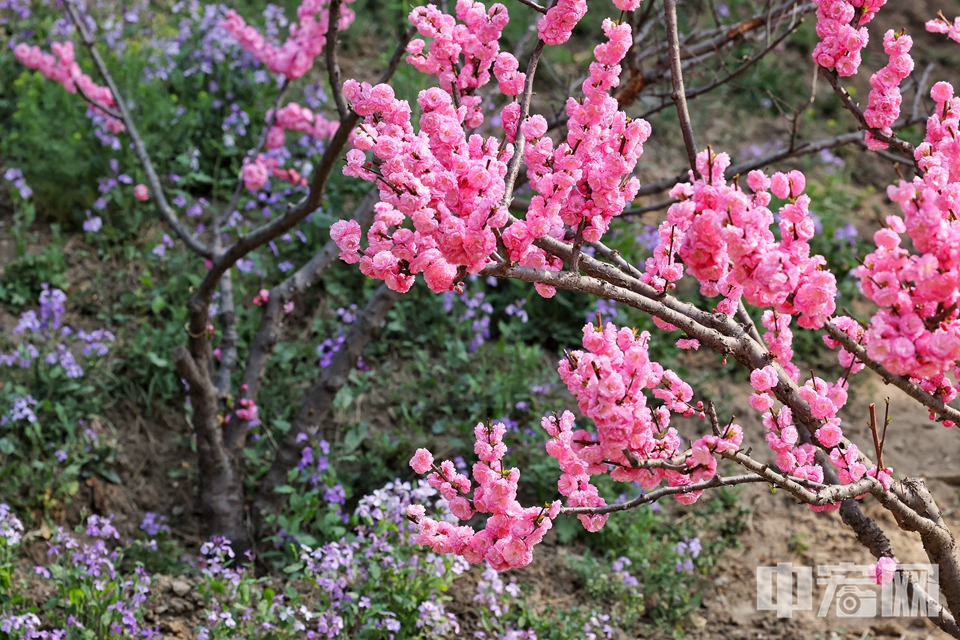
pixel 513 167
pixel 931 402
pixel 834 79
pixel 662 492
pixel 152 179
pixel 294 214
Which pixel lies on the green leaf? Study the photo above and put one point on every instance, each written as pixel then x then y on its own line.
pixel 111 475
pixel 355 438
pixel 76 597
pixel 157 361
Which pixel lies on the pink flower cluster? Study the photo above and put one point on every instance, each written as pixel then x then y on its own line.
pixel 293 117
pixel 509 77
pixel 262 297
pixel 248 410
pixel 940 24
pixel 724 238
pixel 574 482
pixel 62 67
pixel 450 187
pixel 255 173
pixel 477 39
pixel 842 34
pixel 585 181
pixel 608 380
pixel 882 572
pixel 825 401
pixel 557 24
pixel 916 332
pixel 779 340
pixel 853 329
pixel 883 106
pixel 307 38
pixel 511 531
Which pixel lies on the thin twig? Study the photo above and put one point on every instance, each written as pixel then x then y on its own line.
pixel 931 402
pixel 653 496
pixel 113 113
pixel 699 91
pixel 513 168
pixel 803 149
pixel 533 5
pixel 333 64
pixel 877 445
pixel 139 148
pixel 918 93
pixel 679 94
pixel 834 79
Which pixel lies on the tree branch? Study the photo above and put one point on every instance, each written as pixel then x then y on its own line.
pixel 802 149
pixel 229 338
pixel 699 91
pixel 653 496
pixel 851 106
pixel 931 402
pixel 533 5
pixel 679 94
pixel 513 168
pixel 333 64
pixel 246 243
pixel 318 401
pixel 124 115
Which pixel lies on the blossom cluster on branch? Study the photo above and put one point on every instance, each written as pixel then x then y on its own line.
pixel 61 66
pixel 883 106
pixel 510 533
pixel 840 26
pixel 477 39
pixel 724 238
pixel 451 185
pixel 916 331
pixel 306 41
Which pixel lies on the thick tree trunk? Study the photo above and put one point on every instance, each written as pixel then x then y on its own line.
pixel 221 485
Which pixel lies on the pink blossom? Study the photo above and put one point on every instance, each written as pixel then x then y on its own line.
pixel 882 572
pixel 262 297
pixel 763 379
pixel 829 435
pixel 140 192
pixel 421 461
pixel 255 174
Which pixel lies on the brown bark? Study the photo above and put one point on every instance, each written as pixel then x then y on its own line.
pixel 221 486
